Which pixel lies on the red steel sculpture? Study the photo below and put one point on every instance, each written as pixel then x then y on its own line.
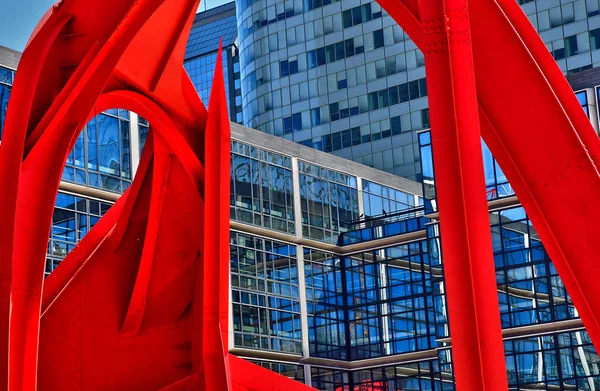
pixel 142 302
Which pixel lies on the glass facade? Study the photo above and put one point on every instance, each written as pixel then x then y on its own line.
pixel 101 156
pixel 264 281
pixel 335 76
pixel 559 361
pixel 201 56
pixel 294 303
pixel 329 202
pixel 262 190
pixel 73 218
pixel 342 77
pixel 6 80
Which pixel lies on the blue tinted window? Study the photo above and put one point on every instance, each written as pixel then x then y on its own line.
pixel 595 39
pixel 293 67
pixel 297 119
pixel 72 219
pixel 4 95
pixel 108 145
pixel 107 163
pixel 284 69
pixel 315 117
pixel 378 38
pixel 287 125
pixel 571 47
pixel 6 76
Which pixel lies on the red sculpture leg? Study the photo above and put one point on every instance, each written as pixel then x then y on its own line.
pixel 542 139
pixel 128 308
pixel 477 347
pixel 212 350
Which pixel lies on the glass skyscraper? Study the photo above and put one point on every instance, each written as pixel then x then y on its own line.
pixel 342 77
pixel 201 55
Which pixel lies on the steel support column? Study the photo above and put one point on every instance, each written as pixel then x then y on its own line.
pixel 477 347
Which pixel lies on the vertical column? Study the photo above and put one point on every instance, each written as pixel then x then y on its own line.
pixel 134 137
pixel 300 257
pixel 297 199
pixel 302 298
pixel 307 375
pixel 385 310
pixel 361 197
pixel 416 198
pixel 478 351
pixel 593 107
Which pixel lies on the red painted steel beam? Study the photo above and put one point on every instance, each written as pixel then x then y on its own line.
pixel 546 147
pixel 477 347
pixel 210 347
pixel 542 139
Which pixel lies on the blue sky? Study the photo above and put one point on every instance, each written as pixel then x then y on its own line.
pixel 18 18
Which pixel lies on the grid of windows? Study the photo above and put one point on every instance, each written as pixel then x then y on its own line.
pixel 327 379
pixel 101 156
pixel 381 200
pixel 329 202
pixel 335 52
pixel 262 188
pixel 427 173
pixel 382 99
pixel 497 185
pixel 264 281
pixel 361 14
pixel 143 128
pixel 569 29
pixel 529 288
pixel 583 101
pixel 424 375
pixel 291 371
pixel 369 305
pixel 325 305
pixel 73 218
pixel 201 54
pixel 202 71
pixel 561 361
pixel 209 28
pixel 388 294
pixel 352 34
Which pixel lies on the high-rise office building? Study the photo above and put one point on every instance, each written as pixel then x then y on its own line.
pixel 201 55
pixel 342 77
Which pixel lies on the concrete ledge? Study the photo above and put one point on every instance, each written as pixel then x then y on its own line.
pixel 404 358
pixel 9 58
pixel 328 247
pixel 311 155
pixel 493 205
pixel 534 330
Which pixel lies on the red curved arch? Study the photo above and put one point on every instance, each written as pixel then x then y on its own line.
pixel 142 302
